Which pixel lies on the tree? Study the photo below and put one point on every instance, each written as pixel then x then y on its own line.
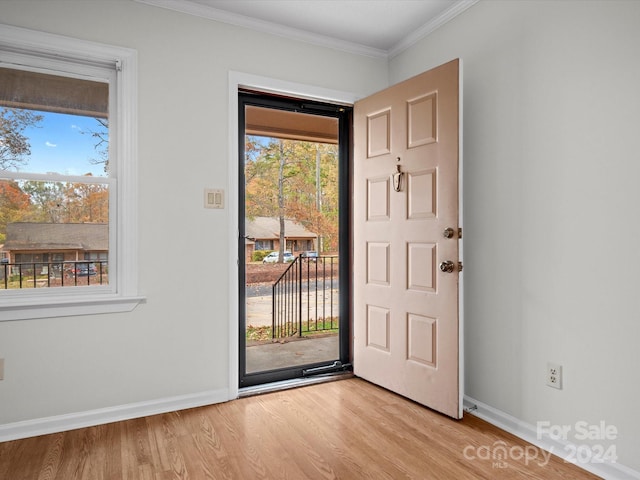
pixel 47 199
pixel 14 145
pixel 87 203
pixel 268 172
pixel 101 137
pixel 14 205
pixel 295 180
pixel 282 162
pixel 60 202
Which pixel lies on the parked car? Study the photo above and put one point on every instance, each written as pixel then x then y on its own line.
pixel 310 256
pixel 273 257
pixel 84 270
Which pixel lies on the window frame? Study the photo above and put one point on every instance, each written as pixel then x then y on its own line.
pixel 53 51
pixel 264 243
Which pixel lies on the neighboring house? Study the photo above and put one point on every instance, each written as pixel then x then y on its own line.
pixel 263 233
pixel 56 242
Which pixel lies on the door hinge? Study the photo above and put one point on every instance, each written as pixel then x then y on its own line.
pixel 460 232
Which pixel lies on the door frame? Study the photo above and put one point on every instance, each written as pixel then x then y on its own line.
pixel 343 115
pixel 238 80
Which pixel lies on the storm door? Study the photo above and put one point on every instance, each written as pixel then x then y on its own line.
pixel 293 238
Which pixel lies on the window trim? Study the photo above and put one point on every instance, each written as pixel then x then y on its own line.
pixel 49 303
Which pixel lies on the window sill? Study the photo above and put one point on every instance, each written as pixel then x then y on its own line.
pixel 25 309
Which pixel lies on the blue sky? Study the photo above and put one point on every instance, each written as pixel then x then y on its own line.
pixel 57 145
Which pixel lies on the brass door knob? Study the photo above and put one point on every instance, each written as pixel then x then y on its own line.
pixel 447 266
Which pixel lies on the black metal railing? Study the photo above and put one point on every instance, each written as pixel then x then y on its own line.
pixel 306 298
pixel 53 274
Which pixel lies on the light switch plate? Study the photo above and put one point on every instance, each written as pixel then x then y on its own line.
pixel 213 198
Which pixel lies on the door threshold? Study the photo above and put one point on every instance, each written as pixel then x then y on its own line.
pixel 293 383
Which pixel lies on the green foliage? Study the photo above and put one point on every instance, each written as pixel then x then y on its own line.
pixel 320 326
pixel 258 255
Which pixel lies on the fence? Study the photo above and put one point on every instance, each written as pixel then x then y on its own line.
pixel 306 298
pixel 53 274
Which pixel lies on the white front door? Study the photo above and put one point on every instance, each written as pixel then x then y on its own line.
pixel 406 239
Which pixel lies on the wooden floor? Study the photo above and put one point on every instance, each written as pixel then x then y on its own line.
pixel 347 429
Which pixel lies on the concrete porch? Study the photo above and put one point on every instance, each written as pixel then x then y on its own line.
pixel 292 351
pixel 270 356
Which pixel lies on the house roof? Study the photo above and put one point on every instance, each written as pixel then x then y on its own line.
pixel 57 236
pixel 268 228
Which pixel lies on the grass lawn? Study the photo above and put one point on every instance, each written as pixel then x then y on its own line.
pixel 321 326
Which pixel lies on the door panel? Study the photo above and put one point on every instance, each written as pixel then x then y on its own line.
pixel 406 323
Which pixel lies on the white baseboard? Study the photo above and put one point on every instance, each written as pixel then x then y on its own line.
pixel 62 423
pixel 523 430
pixel 562 449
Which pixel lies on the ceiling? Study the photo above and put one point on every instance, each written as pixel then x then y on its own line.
pixel 379 28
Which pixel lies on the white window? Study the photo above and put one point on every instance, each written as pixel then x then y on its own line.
pixel 67 176
pixel 264 245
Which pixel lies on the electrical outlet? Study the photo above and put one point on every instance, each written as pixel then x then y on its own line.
pixel 554 375
pixel 1 368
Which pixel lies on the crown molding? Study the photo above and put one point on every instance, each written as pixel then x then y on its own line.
pixel 449 14
pixel 204 11
pixel 185 6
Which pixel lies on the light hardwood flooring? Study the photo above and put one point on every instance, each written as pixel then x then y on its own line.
pixel 347 429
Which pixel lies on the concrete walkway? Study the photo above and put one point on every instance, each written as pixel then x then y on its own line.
pixel 270 356
pixel 259 308
pixel 259 311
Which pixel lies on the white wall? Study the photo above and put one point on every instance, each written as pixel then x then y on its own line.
pixel 177 343
pixel 551 122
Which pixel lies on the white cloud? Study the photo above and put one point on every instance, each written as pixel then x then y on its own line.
pixel 49 144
